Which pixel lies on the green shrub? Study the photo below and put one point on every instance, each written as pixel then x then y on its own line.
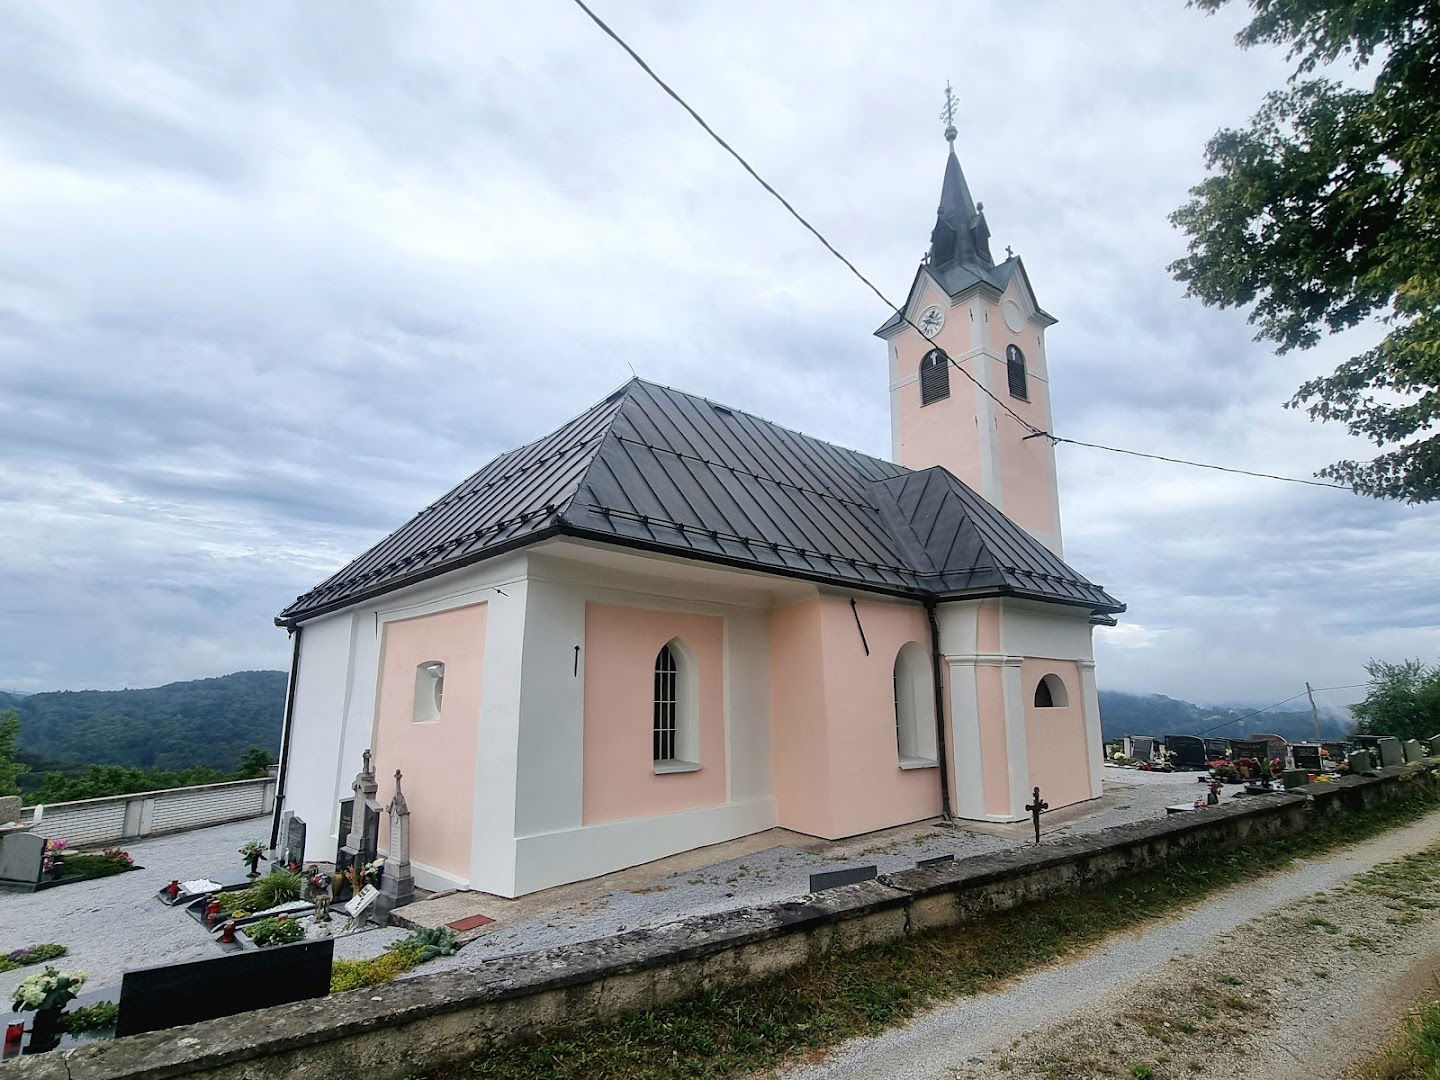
pixel 97 1017
pixel 276 887
pixel 94 866
pixel 276 931
pixel 354 974
pixel 429 942
pixel 35 954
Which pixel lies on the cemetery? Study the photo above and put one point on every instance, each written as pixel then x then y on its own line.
pixel 271 930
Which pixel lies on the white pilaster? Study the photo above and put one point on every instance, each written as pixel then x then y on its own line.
pixel 1017 753
pixel 1094 740
pixel 965 760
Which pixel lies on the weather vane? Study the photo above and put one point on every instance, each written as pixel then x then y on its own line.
pixel 948 113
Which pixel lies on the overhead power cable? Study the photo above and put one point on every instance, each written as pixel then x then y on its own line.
pixel 1035 432
pixel 1292 697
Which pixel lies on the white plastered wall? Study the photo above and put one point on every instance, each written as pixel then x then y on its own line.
pixel 333 721
pixel 553 844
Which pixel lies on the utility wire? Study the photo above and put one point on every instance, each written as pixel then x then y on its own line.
pixel 1257 712
pixel 1034 431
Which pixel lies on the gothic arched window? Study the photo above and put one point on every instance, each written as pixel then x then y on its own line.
pixel 914 707
pixel 1015 372
pixel 675 727
pixel 934 376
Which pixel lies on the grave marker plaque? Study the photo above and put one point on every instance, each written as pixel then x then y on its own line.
pixel 1307 757
pixel 1186 751
pixel 832 879
pixel 1248 748
pixel 173 994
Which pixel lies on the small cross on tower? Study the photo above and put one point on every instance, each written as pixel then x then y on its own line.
pixel 948 113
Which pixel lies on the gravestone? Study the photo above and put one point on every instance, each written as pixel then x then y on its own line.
pixel 1250 748
pixel 1412 749
pixel 1293 778
pixel 1308 757
pixel 347 815
pixel 21 856
pixel 1391 753
pixel 1215 749
pixel 397 884
pixel 1335 751
pixel 9 809
pixel 358 846
pixel 1360 761
pixel 1278 748
pixel 1433 745
pixel 1186 751
pixel 831 879
pixel 292 838
pixel 173 994
pixel 1140 747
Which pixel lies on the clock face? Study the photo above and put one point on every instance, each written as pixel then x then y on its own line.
pixel 1014 317
pixel 931 320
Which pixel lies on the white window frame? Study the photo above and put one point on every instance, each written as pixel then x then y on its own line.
pixel 681 696
pixel 914 694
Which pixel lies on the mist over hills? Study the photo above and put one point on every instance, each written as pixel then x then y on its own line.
pixel 213 721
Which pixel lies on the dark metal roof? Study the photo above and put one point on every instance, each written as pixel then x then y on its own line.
pixel 659 469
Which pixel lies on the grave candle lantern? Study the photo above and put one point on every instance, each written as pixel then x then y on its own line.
pixel 14 1033
pixel 227 933
pixel 212 912
pixel 173 889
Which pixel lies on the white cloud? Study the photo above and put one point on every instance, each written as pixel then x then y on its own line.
pixel 275 276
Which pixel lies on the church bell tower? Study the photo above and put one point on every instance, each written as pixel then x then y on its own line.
pixel 971 325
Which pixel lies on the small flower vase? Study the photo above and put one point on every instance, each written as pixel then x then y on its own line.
pixel 45 1030
pixel 57 868
pixel 254 861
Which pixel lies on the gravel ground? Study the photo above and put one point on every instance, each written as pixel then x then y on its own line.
pixel 1292 976
pixel 782 872
pixel 115 923
pixel 112 924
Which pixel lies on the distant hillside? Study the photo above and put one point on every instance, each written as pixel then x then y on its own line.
pixel 1155 714
pixel 203 722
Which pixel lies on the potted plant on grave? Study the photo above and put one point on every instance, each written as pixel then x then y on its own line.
pixel 47 994
pixel 372 873
pixel 52 862
pixel 252 852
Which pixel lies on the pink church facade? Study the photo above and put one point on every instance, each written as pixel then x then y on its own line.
pixel 670 624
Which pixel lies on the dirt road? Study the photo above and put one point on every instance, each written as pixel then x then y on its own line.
pixel 1302 974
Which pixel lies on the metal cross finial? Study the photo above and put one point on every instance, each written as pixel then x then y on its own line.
pixel 1009 252
pixel 948 113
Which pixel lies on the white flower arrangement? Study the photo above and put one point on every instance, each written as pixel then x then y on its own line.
pixel 51 989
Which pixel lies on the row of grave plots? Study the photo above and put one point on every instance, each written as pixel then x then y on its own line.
pixel 1223 756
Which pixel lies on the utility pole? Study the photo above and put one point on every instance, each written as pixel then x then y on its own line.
pixel 1314 712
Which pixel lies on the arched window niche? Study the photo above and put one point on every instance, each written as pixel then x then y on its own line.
pixel 934 376
pixel 914 708
pixel 1050 693
pixel 429 691
pixel 1015 373
pixel 674 716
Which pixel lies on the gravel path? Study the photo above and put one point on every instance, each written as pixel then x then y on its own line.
pixel 1187 997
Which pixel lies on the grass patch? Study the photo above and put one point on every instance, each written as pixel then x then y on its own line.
pixel 93 866
pixel 731 1031
pixel 398 958
pixel 1417 1057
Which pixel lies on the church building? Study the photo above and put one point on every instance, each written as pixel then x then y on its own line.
pixel 671 623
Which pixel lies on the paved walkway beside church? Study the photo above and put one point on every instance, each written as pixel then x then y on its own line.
pixel 113 924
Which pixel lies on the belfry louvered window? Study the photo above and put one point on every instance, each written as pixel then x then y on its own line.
pixel 1015 372
pixel 934 376
pixel 667 685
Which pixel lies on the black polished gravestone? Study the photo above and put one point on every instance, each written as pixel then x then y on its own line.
pixel 1245 748
pixel 1186 751
pixel 155 998
pixel 1215 749
pixel 831 879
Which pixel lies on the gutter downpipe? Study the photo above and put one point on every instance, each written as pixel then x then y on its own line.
pixel 941 752
pixel 286 724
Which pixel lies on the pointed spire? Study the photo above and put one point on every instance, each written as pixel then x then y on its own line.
pixel 960 230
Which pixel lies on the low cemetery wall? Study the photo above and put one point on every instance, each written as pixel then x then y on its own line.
pixel 430 1021
pixel 90 822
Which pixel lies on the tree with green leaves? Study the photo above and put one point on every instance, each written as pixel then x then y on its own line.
pixel 1403 700
pixel 1324 213
pixel 10 769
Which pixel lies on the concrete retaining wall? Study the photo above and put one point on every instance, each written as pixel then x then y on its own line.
pixel 92 822
pixel 429 1021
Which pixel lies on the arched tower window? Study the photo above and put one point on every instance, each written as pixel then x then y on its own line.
pixel 675 735
pixel 429 691
pixel 1050 693
pixel 914 707
pixel 1015 372
pixel 934 376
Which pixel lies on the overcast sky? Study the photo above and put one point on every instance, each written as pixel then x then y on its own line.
pixel 274 276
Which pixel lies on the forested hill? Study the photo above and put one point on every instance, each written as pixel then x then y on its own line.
pixel 1155 714
pixel 202 722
